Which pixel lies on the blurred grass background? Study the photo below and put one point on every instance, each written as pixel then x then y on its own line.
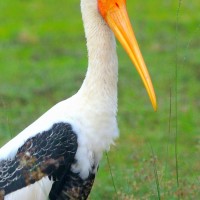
pixel 43 60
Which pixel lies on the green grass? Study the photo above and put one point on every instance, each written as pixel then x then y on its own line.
pixel 43 60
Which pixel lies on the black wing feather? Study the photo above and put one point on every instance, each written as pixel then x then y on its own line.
pixel 74 187
pixel 46 154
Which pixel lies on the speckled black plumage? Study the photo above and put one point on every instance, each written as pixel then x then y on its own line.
pixel 49 153
pixel 73 188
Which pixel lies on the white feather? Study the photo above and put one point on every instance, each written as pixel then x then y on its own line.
pixel 37 191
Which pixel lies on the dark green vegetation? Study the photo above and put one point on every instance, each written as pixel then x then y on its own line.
pixel 43 60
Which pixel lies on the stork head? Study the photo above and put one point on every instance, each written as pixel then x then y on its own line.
pixel 115 14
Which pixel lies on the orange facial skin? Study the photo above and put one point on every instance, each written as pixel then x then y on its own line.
pixel 106 6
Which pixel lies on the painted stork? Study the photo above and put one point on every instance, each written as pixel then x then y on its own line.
pixel 57 156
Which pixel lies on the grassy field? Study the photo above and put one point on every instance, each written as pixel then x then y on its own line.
pixel 43 60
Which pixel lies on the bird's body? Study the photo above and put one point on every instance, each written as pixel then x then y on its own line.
pixel 58 155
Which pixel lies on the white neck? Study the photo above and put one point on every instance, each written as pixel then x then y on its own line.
pixel 102 74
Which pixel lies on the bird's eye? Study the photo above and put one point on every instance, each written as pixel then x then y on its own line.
pixel 117 4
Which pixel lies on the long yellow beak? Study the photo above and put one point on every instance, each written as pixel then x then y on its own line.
pixel 118 20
